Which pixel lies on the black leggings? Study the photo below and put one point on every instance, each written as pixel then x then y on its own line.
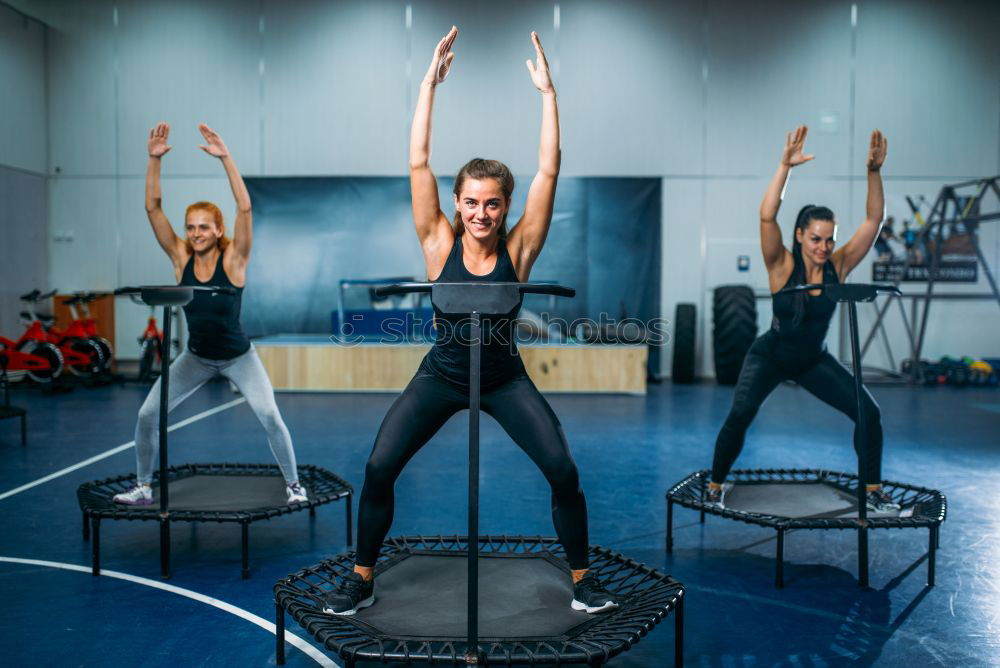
pixel 423 407
pixel 826 378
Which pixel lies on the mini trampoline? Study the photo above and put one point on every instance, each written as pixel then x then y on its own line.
pixel 240 493
pixel 528 620
pixel 786 499
pixel 426 611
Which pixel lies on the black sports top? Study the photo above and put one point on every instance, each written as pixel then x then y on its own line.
pixel 804 338
pixel 449 356
pixel 213 319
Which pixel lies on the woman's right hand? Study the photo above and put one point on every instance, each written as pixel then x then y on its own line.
pixel 158 146
pixel 441 62
pixel 795 142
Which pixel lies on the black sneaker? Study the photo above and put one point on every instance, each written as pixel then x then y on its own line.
pixel 590 596
pixel 880 502
pixel 352 593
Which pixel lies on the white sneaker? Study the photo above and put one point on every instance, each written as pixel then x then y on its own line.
pixel 140 495
pixel 296 493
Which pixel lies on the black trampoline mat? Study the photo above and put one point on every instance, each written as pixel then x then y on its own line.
pixel 796 500
pixel 222 493
pixel 519 597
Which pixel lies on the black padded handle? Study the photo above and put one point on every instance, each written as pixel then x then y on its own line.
pixel 846 292
pixel 524 288
pixel 401 289
pixel 135 290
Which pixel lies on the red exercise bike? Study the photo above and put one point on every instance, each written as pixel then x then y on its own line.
pixel 34 345
pixel 81 356
pixel 151 349
pixel 86 326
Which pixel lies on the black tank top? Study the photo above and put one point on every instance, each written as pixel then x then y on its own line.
pixel 449 356
pixel 213 319
pixel 803 339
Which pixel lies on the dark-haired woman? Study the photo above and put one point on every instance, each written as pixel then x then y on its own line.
pixel 217 345
pixel 475 246
pixel 794 349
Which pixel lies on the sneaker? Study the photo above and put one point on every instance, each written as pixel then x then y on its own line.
pixel 590 596
pixel 140 495
pixel 880 502
pixel 352 593
pixel 296 493
pixel 715 496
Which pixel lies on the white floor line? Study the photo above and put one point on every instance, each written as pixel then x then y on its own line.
pixel 120 448
pixel 292 639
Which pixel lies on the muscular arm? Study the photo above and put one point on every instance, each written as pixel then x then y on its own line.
pixel 433 229
pixel 171 244
pixel 243 227
pixel 850 255
pixel 770 233
pixel 528 236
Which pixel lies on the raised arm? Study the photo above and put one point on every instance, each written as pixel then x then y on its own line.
pixel 172 245
pixel 774 251
pixel 850 254
pixel 528 236
pixel 243 227
pixel 433 229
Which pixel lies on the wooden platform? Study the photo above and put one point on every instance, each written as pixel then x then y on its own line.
pixel 303 363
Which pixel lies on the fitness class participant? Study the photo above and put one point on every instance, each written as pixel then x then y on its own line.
pixel 217 345
pixel 475 246
pixel 793 349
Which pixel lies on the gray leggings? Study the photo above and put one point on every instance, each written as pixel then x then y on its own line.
pixel 189 372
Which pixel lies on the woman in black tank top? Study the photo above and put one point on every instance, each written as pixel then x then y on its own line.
pixel 794 349
pixel 474 246
pixel 217 345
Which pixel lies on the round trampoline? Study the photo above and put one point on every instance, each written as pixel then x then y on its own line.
pixel 428 611
pixel 240 493
pixel 528 621
pixel 785 499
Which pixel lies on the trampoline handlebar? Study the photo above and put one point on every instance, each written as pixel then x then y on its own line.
pixel 843 287
pixel 136 290
pixel 525 288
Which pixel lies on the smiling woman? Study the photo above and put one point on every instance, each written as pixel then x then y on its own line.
pixel 217 345
pixel 475 247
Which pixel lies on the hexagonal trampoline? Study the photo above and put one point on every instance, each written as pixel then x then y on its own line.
pixel 785 499
pixel 524 612
pixel 211 492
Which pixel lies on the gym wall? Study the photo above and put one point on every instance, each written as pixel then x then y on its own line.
pixel 697 94
pixel 24 253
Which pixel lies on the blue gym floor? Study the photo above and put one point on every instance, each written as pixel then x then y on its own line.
pixel 629 450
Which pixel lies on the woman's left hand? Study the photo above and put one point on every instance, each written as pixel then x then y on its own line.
pixel 214 145
pixel 877 151
pixel 540 68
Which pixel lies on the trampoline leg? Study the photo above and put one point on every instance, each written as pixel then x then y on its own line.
pixel 932 555
pixel 164 548
pixel 863 556
pixel 779 572
pixel 279 634
pixel 86 527
pixel 679 633
pixel 350 523
pixel 670 526
pixel 95 546
pixel 245 531
pixel 312 511
pixel 701 518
